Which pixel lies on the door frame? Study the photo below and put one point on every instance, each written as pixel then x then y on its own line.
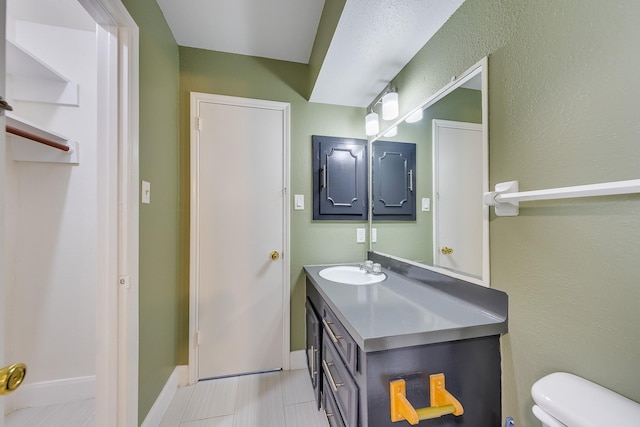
pixel 195 99
pixel 118 195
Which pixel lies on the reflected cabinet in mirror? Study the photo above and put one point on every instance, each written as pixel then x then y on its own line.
pixel 427 182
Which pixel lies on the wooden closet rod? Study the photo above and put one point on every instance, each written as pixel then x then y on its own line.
pixel 37 138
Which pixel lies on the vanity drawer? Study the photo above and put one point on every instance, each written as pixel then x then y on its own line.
pixel 337 334
pixel 331 408
pixel 339 383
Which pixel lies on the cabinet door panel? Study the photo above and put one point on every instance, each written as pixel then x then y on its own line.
pixel 313 340
pixel 339 178
pixel 394 180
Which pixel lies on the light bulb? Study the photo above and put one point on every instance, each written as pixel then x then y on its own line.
pixel 390 106
pixel 415 117
pixel 371 124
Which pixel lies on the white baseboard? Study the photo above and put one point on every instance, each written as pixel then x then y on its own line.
pixel 52 392
pixel 297 360
pixel 178 378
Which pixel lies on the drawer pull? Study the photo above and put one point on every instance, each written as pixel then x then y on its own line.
pixel 314 372
pixel 334 384
pixel 332 334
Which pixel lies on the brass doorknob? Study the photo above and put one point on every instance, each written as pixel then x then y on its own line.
pixel 275 256
pixel 11 377
pixel 446 251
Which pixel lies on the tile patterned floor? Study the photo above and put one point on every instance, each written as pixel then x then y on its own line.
pixel 74 414
pixel 276 399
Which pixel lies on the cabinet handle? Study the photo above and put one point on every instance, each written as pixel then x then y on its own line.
pixel 334 384
pixel 323 169
pixel 313 361
pixel 332 334
pixel 411 180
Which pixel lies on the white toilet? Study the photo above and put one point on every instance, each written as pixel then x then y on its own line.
pixel 566 400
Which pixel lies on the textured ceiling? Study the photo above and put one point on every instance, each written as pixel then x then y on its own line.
pixel 373 41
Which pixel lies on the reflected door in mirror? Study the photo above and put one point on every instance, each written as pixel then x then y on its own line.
pixel 458 173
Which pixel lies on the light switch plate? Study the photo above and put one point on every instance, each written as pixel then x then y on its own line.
pixel 361 236
pixel 374 235
pixel 146 192
pixel 426 204
pixel 298 202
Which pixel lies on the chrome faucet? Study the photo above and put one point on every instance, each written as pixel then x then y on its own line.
pixel 371 267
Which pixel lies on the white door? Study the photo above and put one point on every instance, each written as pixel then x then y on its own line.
pixel 240 235
pixel 458 189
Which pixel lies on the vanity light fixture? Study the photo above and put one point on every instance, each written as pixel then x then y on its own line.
pixel 415 117
pixel 390 105
pixel 371 123
pixel 391 132
pixel 390 109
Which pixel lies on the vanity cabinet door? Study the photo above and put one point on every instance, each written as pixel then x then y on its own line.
pixel 314 339
pixel 339 178
pixel 394 180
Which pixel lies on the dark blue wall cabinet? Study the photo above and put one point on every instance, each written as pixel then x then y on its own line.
pixel 339 178
pixel 394 181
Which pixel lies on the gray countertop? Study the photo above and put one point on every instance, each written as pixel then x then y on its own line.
pixel 401 312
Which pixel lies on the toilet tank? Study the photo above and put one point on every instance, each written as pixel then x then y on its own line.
pixel 577 402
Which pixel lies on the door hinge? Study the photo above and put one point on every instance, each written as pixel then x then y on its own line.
pixel 197 338
pixel 197 124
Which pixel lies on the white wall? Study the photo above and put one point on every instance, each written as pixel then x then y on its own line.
pixel 51 220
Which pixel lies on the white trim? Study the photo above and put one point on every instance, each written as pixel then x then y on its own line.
pixel 177 379
pixel 195 99
pixel 117 315
pixel 297 360
pixel 52 392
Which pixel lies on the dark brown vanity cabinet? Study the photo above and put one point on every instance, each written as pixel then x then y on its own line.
pixel 394 181
pixel 339 178
pixel 354 386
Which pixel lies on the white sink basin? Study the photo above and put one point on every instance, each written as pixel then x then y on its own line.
pixel 351 275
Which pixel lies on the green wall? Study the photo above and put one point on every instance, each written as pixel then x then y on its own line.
pixel 563 111
pixel 311 242
pixel 159 78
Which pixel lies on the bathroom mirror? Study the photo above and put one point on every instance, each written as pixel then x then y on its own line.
pixel 450 232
